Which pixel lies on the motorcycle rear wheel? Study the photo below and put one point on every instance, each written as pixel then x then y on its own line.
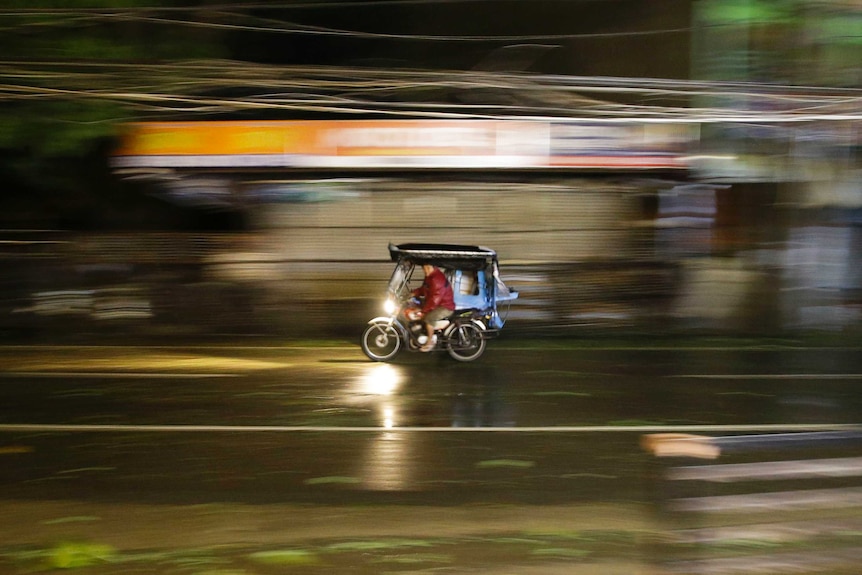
pixel 380 341
pixel 466 342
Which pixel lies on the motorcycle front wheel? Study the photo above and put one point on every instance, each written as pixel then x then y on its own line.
pixel 466 342
pixel 380 341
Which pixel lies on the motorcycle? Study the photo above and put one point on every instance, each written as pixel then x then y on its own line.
pixel 473 272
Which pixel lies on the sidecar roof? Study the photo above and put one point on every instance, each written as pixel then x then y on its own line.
pixel 448 255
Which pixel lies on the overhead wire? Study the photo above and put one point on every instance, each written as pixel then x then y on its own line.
pixel 362 91
pixel 188 86
pixel 273 26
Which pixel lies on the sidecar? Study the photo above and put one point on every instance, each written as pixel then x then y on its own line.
pixel 480 293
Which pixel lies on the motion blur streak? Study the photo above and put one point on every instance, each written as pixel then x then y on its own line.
pixel 759 507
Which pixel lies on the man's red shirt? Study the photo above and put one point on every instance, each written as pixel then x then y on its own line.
pixel 436 292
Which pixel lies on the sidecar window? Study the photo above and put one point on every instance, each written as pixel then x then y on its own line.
pixel 470 289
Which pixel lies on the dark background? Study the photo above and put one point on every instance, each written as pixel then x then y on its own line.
pixel 74 188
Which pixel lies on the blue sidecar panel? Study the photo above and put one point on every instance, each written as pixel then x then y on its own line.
pixel 470 290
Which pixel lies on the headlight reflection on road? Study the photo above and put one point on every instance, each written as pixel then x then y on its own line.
pixel 380 379
pixel 387 463
pixel 375 388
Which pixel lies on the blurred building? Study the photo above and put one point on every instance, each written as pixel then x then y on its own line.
pixel 788 151
pixel 743 216
pixel 569 206
pixel 740 211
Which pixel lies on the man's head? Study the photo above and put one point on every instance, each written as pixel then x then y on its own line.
pixel 427 268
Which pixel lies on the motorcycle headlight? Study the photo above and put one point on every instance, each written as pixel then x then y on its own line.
pixel 389 306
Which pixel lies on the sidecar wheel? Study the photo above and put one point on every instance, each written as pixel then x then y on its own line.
pixel 380 342
pixel 466 342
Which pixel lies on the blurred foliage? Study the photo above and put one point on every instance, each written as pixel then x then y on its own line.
pixel 748 11
pixel 45 42
pixel 74 555
pixel 71 73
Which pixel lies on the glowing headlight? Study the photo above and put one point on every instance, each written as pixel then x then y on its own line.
pixel 389 306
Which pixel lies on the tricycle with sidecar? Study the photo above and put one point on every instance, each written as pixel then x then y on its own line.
pixel 479 292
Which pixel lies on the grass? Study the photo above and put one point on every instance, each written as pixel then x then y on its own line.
pixel 332 556
pixel 286 557
pixel 496 463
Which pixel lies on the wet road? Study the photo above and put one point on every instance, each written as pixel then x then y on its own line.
pixel 252 422
pixel 323 426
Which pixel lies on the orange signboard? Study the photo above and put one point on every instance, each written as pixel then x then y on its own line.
pixel 381 143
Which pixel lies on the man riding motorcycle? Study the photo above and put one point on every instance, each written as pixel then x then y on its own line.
pixel 438 302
